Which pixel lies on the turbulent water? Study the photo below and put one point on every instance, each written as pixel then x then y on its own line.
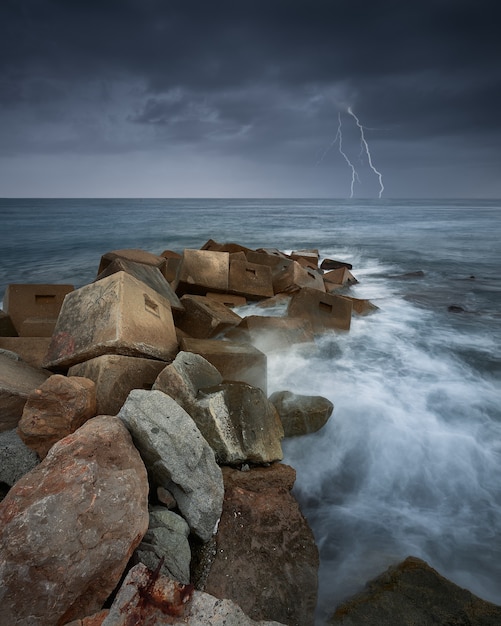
pixel 410 461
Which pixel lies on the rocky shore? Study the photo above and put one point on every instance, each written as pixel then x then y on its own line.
pixel 141 469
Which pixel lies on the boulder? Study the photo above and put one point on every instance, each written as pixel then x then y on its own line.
pixel 201 271
pixel 17 458
pixel 6 326
pixel 17 381
pixel 299 414
pixel 32 350
pixel 177 457
pixel 265 557
pixel 166 541
pixel 116 315
pixel 69 527
pixel 116 376
pixel 148 597
pixel 55 409
pixel 251 280
pixel 294 277
pixel 271 333
pixel 414 593
pixel 204 318
pixel 325 311
pixel 235 361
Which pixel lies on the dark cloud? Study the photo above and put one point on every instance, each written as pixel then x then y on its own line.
pixel 261 80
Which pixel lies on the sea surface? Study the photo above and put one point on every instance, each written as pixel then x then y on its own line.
pixel 410 461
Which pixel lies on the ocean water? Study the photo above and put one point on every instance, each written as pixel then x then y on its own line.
pixel 410 461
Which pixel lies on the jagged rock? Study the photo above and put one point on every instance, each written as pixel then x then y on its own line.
pixel 147 597
pixel 69 527
pixel 116 376
pixel 55 409
pixel 414 593
pixel 17 381
pixel 265 559
pixel 299 414
pixel 167 539
pixel 17 458
pixel 177 457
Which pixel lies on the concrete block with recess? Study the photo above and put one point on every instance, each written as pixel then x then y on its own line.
pixel 235 361
pixel 116 315
pixel 147 274
pixel 250 280
pixel 307 258
pixel 132 254
pixel 295 276
pixel 116 376
pixel 325 311
pixel 271 333
pixel 201 271
pixel 32 350
pixel 32 301
pixel 228 299
pixel 204 318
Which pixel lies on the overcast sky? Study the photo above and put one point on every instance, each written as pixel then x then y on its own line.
pixel 244 98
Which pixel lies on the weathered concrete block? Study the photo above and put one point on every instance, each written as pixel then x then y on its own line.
pixel 203 317
pixel 31 349
pixel 307 258
pixel 338 277
pixel 202 271
pixel 362 307
pixel 147 274
pixel 324 310
pixel 56 409
pixel 172 263
pixel 331 264
pixel 6 326
pixel 235 361
pixel 23 301
pixel 17 381
pixel 300 414
pixel 138 256
pixel 294 277
pixel 250 280
pixel 276 262
pixel 230 247
pixel 115 377
pixel 37 327
pixel 269 333
pixel 228 299
pixel 116 315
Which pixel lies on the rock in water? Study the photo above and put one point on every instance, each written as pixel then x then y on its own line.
pixel 69 527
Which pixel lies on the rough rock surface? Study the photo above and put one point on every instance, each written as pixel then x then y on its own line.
pixel 55 409
pixel 16 458
pixel 299 414
pixel 413 593
pixel 167 539
pixel 148 598
pixel 69 527
pixel 177 456
pixel 265 558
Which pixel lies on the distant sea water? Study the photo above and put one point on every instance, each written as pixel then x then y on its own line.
pixel 410 461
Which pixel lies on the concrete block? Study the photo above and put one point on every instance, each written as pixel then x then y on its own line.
pixel 6 326
pixel 270 334
pixel 37 327
pixel 23 301
pixel 307 258
pixel 32 350
pixel 250 280
pixel 228 299
pixel 202 271
pixel 147 274
pixel 138 256
pixel 294 277
pixel 277 262
pixel 204 318
pixel 331 264
pixel 325 311
pixel 235 361
pixel 172 263
pixel 116 376
pixel 116 315
pixel 338 277
pixel 224 247
pixel 362 307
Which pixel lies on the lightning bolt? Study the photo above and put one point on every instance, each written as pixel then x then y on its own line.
pixel 365 147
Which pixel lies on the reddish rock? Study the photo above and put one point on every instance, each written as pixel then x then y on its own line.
pixel 69 527
pixel 265 558
pixel 55 409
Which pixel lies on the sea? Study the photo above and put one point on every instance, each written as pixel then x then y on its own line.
pixel 410 461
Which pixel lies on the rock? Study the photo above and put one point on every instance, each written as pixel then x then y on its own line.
pixel 413 593
pixel 17 381
pixel 204 317
pixel 251 280
pixel 55 409
pixel 239 423
pixel 116 376
pixel 6 326
pixel 93 620
pixel 167 539
pixel 177 457
pixel 235 361
pixel 301 415
pixel 116 315
pixel 325 311
pixel 34 302
pixel 69 527
pixel 266 559
pixel 295 277
pixel 32 350
pixel 201 271
pixel 147 597
pixel 17 458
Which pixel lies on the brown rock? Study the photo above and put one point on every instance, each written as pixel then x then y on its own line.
pixel 204 318
pixel 300 414
pixel 69 527
pixel 55 409
pixel 265 559
pixel 414 593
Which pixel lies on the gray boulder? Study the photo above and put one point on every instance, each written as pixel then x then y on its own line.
pixel 301 415
pixel 16 458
